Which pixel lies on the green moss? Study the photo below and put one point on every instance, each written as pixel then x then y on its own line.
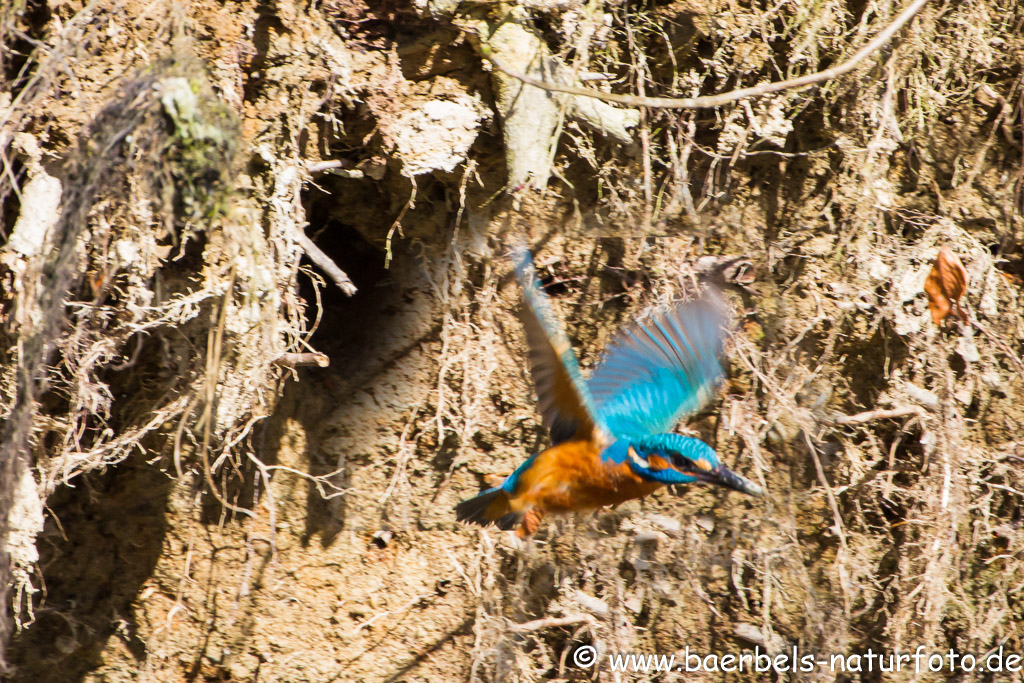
pixel 201 148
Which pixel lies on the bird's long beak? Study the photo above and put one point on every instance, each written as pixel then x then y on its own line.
pixel 729 479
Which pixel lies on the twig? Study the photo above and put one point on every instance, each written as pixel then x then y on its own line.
pixel 325 263
pixel 335 167
pixel 708 101
pixel 405 451
pixel 214 353
pixel 870 415
pixel 179 432
pixel 397 225
pixel 1000 343
pixel 319 480
pixel 315 167
pixel 551 622
pixel 1001 487
pixel 837 518
pixel 271 504
pixel 292 360
pixel 380 615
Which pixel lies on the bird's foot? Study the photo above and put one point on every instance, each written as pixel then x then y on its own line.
pixel 531 522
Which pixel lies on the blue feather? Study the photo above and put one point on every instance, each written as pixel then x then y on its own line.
pixel 659 370
pixel 687 446
pixel 480 508
pixel 617 453
pixel 665 445
pixel 512 480
pixel 565 403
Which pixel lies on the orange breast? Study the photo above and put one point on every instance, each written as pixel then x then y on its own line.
pixel 570 477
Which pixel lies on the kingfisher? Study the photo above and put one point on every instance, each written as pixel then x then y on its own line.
pixel 610 438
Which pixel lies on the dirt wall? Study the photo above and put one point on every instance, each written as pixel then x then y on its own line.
pixel 191 506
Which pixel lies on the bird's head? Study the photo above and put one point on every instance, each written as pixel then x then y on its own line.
pixel 677 459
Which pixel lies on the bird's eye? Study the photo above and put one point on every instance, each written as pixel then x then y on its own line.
pixel 681 462
pixel 687 465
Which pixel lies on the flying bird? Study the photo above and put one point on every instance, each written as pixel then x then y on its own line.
pixel 610 434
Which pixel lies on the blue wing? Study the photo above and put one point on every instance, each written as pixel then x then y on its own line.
pixel 658 370
pixel 564 401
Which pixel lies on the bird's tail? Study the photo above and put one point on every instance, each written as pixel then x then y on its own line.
pixel 490 507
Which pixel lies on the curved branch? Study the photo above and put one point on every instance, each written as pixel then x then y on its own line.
pixel 708 101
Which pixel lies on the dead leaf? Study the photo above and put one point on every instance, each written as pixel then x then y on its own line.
pixel 944 286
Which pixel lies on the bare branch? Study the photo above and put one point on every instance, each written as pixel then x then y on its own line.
pixel 292 360
pixel 870 415
pixel 837 517
pixel 315 167
pixel 551 622
pixel 335 166
pixel 709 101
pixel 1000 343
pixel 317 256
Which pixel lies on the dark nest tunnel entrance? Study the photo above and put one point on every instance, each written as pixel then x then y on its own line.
pixel 345 325
pixel 374 339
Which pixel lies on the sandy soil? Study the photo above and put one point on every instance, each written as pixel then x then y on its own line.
pixel 885 531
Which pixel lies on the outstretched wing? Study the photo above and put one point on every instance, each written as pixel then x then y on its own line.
pixel 658 370
pixel 564 401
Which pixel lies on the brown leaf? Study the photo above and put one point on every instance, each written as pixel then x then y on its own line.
pixel 945 285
